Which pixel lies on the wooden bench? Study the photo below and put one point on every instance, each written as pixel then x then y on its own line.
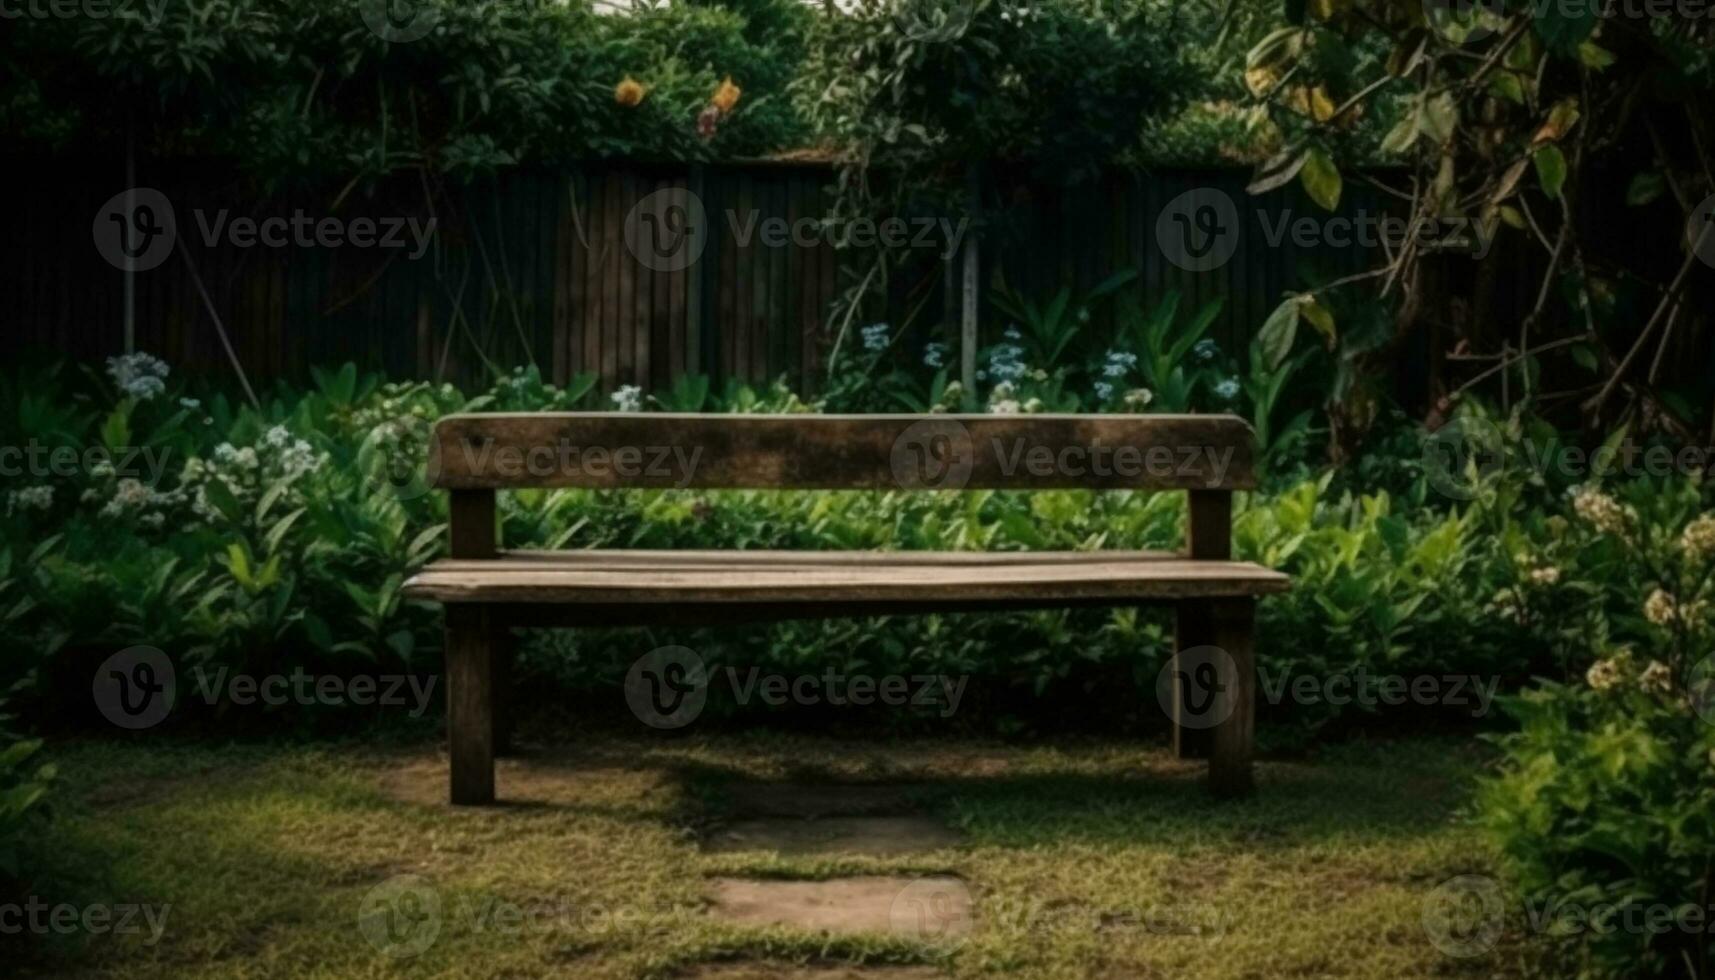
pixel 487 590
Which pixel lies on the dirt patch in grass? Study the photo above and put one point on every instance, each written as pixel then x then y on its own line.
pixel 542 780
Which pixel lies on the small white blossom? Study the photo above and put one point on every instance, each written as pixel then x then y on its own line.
pixel 30 498
pixel 1699 537
pixel 1657 678
pixel 1601 511
pixel 140 376
pixel 629 398
pixel 875 336
pixel 1660 608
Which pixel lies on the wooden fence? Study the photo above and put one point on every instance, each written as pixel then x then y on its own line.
pixel 538 267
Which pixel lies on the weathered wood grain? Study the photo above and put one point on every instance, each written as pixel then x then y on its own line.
pixel 1208 536
pixel 665 558
pixel 662 450
pixel 470 704
pixel 807 581
pixel 1231 747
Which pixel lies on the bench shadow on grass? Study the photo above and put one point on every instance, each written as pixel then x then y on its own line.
pixel 1376 792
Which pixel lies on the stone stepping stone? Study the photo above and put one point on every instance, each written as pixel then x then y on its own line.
pixel 930 909
pixel 791 971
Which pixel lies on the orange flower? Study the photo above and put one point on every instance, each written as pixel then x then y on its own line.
pixel 629 92
pixel 726 96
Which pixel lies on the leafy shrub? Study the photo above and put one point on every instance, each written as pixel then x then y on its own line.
pixel 23 786
pixel 1606 802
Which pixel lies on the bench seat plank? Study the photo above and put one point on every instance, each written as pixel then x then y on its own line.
pixel 768 577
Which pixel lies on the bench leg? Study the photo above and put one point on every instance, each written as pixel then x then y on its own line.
pixel 470 650
pixel 1231 748
pixel 505 653
pixel 1193 626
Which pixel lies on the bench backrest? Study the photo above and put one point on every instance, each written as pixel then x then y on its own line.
pixel 475 455
pixel 842 452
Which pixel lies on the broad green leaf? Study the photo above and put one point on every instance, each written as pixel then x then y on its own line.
pixel 116 431
pixel 1551 169
pixel 1277 172
pixel 1321 179
pixel 1507 85
pixel 1320 317
pixel 1644 188
pixel 1279 330
pixel 1595 56
pixel 1564 26
pixel 1440 118
pixel 1403 136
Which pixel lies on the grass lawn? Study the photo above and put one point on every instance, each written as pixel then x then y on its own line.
pixel 1083 859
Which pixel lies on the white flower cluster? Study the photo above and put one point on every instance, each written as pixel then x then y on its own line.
pixel 1601 511
pixel 629 398
pixel 134 499
pixel 1698 537
pixel 1006 361
pixel 875 336
pixel 1605 675
pixel 140 376
pixel 397 401
pixel 1118 364
pixel 30 498
pixel 247 470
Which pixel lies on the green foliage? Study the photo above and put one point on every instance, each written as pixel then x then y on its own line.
pixel 295 89
pixel 1061 88
pixel 1605 807
pixel 24 785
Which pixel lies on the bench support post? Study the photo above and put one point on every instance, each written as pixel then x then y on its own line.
pixel 1208 537
pixel 1193 626
pixel 470 703
pixel 1234 733
pixel 505 653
